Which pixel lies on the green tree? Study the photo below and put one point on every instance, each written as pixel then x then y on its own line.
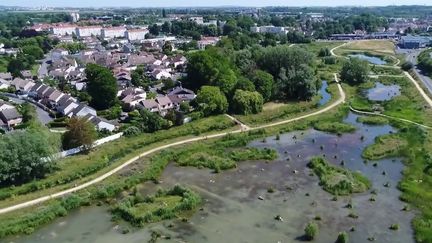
pixel 80 132
pixel 311 231
pixel 138 77
pixel 263 83
pixel 354 71
pixel 154 30
pixel 151 122
pixel 247 102
pixel 245 84
pixel 299 83
pixel 34 51
pixel 27 155
pixel 324 52
pixel 166 27
pixel 406 66
pixel 167 48
pixel 211 101
pixel 101 86
pixel 210 67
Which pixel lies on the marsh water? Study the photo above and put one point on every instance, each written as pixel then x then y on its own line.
pixel 383 92
pixel 370 59
pixel 233 212
pixel 325 96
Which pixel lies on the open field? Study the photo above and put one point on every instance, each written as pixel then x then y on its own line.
pixel 383 46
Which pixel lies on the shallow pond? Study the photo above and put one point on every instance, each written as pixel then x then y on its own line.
pixel 383 92
pixel 325 96
pixel 232 211
pixel 370 59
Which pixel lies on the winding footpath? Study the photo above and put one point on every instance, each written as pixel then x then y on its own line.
pixel 200 138
pixel 389 117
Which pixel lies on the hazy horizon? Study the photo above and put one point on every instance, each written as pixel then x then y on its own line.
pixel 198 3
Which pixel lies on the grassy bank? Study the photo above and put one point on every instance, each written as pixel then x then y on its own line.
pixel 373 120
pixel 336 180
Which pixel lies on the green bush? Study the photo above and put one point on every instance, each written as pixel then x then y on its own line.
pixel 342 238
pixel 311 231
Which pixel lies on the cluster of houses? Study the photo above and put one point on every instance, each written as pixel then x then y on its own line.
pixel 56 100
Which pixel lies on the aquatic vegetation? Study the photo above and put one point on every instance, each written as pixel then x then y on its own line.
pixel 334 127
pixel 311 231
pixel 385 146
pixel 336 180
pixel 373 120
pixel 166 204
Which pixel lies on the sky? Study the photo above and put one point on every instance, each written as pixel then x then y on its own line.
pixel 186 3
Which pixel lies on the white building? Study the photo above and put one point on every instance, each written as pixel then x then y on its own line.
pixel 63 30
pixel 86 31
pixel 113 32
pixel 75 17
pixel 198 20
pixel 207 41
pixel 136 34
pixel 269 29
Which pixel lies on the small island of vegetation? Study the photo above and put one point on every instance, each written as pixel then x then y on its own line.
pixel 338 181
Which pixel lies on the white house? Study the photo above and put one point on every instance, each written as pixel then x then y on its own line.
pixel 22 85
pixel 100 123
pixel 5 106
pixel 83 110
pixel 160 74
pixel 67 108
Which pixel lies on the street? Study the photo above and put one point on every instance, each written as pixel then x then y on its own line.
pixel 411 56
pixel 43 116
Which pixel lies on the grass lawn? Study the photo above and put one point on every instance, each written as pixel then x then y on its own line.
pixel 383 46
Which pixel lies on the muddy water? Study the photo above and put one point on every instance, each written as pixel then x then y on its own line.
pixel 232 211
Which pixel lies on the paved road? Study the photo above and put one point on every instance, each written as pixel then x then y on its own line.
pixel 411 56
pixel 43 68
pixel 200 138
pixel 42 115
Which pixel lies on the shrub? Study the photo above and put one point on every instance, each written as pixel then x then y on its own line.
pixel 311 230
pixel 342 237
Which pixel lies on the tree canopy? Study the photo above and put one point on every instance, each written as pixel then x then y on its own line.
pixel 80 133
pixel 27 155
pixel 101 86
pixel 355 71
pixel 210 67
pixel 247 102
pixel 211 101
